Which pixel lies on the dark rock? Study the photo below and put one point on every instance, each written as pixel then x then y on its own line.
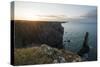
pixel 38 32
pixel 68 40
pixel 85 48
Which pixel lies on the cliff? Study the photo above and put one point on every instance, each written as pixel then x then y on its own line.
pixel 29 33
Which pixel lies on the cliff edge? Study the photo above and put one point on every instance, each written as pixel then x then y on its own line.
pixel 38 32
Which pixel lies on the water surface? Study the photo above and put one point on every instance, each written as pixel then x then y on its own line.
pixel 75 32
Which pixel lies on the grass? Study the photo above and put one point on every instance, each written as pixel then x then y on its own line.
pixel 43 55
pixel 34 55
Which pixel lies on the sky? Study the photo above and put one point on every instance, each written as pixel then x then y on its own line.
pixel 52 12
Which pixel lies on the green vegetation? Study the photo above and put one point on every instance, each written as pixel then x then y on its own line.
pixel 30 56
pixel 43 55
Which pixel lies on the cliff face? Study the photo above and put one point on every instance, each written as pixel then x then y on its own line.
pixel 38 32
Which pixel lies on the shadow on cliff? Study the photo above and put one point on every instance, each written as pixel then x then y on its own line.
pixel 29 33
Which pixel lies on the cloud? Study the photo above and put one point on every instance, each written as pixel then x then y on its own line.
pixel 54 17
pixel 89 17
pixel 90 14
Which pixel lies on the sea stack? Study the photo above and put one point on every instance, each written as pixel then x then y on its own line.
pixel 85 48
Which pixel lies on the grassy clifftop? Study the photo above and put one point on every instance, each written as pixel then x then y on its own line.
pixel 43 55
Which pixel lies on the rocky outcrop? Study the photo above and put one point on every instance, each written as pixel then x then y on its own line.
pixel 85 48
pixel 60 56
pixel 38 32
pixel 43 55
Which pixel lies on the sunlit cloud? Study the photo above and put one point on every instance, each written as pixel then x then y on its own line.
pixel 53 17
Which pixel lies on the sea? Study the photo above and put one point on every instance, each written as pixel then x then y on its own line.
pixel 73 37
